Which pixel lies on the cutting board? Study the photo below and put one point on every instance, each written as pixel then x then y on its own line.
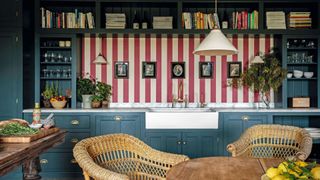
pixel 28 138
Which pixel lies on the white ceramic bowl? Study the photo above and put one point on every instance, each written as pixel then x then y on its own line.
pixel 308 74
pixel 289 75
pixel 297 74
pixel 35 126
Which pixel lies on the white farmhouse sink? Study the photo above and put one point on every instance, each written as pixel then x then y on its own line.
pixel 187 110
pixel 182 118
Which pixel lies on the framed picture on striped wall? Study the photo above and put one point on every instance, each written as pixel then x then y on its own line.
pixel 121 70
pixel 205 70
pixel 177 70
pixel 234 69
pixel 149 69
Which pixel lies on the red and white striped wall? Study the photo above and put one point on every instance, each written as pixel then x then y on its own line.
pixel 165 49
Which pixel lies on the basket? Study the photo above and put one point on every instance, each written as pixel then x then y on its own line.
pixel 58 104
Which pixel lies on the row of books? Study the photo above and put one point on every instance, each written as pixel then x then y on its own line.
pixel 199 20
pixel 245 20
pixel 115 21
pixel 299 20
pixel 276 20
pixel 239 20
pixel 76 19
pixel 162 22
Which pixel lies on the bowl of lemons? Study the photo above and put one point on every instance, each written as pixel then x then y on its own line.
pixel 293 170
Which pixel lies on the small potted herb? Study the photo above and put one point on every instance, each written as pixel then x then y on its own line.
pixel 47 94
pixel 104 90
pixel 96 101
pixel 85 89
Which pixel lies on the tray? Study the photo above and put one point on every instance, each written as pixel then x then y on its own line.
pixel 28 138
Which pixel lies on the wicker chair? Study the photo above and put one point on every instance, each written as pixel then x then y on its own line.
pixel 273 141
pixel 122 157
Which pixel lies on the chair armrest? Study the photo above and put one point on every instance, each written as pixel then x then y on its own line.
pixel 92 169
pixel 238 147
pixel 166 158
pixel 305 148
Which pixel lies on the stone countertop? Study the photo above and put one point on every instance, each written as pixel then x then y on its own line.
pixel 146 109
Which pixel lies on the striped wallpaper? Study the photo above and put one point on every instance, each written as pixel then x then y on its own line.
pixel 165 49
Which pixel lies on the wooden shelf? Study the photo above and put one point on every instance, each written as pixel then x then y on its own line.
pixel 55 63
pixel 49 78
pixel 56 48
pixel 301 79
pixel 301 64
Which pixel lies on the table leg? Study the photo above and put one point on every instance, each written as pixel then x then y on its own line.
pixel 31 169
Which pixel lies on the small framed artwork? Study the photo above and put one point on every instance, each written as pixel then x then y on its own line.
pixel 177 70
pixel 205 69
pixel 234 69
pixel 121 69
pixel 149 69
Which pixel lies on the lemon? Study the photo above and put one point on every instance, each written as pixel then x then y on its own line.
pixel 294 173
pixel 272 172
pixel 279 177
pixel 301 163
pixel 283 167
pixel 316 173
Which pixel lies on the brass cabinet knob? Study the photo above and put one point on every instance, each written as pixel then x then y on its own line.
pixel 117 118
pixel 184 142
pixel 73 161
pixel 43 161
pixel 74 140
pixel 179 142
pixel 75 122
pixel 245 118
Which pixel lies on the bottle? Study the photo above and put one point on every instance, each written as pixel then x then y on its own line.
pixel 225 20
pixel 145 21
pixel 135 24
pixel 36 114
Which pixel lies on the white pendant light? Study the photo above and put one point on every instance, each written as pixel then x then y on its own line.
pixel 100 59
pixel 257 60
pixel 216 43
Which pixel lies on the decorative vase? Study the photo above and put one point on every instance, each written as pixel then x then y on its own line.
pixel 105 104
pixel 265 100
pixel 86 100
pixel 46 103
pixel 95 104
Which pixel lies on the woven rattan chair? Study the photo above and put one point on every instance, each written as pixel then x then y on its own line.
pixel 122 157
pixel 273 141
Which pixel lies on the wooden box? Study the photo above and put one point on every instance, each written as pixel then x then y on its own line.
pixel 299 102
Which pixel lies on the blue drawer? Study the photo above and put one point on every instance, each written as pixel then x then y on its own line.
pixel 71 139
pixel 58 162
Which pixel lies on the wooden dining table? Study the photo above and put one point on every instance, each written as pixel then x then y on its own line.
pixel 221 168
pixel 13 155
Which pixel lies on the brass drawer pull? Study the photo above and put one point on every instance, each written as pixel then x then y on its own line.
pixel 43 161
pixel 75 122
pixel 179 142
pixel 184 143
pixel 73 161
pixel 245 118
pixel 74 140
pixel 117 118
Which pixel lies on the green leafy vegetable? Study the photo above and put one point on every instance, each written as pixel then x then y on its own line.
pixel 17 129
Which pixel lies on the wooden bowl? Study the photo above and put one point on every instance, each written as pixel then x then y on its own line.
pixel 58 104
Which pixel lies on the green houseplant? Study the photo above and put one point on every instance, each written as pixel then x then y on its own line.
pixel 47 94
pixel 263 77
pixel 85 89
pixel 102 95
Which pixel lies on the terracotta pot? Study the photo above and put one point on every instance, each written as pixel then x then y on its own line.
pixel 105 104
pixel 95 104
pixel 46 103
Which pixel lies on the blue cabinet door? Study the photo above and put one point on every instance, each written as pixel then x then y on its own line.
pixel 11 14
pixel 128 123
pixel 299 121
pixel 200 143
pixel 165 141
pixel 234 124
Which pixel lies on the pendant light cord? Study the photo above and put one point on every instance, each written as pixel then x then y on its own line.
pixel 216 7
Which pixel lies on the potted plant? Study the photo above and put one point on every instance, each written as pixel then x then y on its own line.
pixel 85 89
pixel 104 90
pixel 263 77
pixel 47 94
pixel 96 101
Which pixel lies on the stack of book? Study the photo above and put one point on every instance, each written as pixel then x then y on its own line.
pixel 299 20
pixel 200 20
pixel 115 21
pixel 276 20
pixel 162 22
pixel 245 20
pixel 74 19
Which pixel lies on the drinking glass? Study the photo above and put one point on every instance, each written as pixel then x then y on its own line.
pixel 65 73
pixel 46 57
pixel 53 57
pixel 69 72
pixel 45 73
pixel 60 57
pixel 58 73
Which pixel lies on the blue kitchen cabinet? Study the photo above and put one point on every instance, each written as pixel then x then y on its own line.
pixel 128 123
pixel 193 143
pixel 293 120
pixel 165 141
pixel 234 124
